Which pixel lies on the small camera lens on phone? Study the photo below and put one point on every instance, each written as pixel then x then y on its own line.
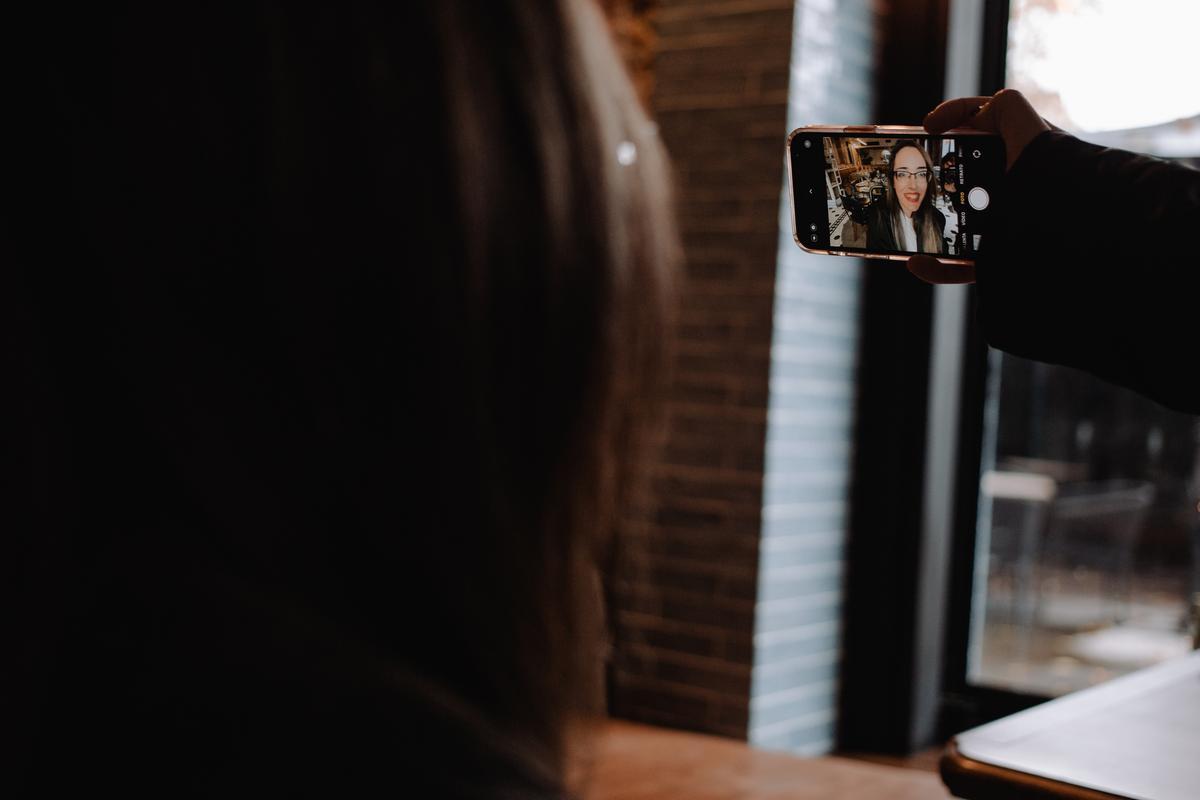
pixel 807 144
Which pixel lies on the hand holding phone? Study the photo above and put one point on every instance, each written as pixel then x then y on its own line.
pixel 1007 113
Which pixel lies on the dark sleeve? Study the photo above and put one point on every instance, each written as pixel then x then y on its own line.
pixel 1090 264
pixel 879 235
pixel 942 222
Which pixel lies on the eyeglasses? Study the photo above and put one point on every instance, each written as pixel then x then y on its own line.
pixel 922 175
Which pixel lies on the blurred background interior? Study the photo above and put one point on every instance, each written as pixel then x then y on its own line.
pixel 866 531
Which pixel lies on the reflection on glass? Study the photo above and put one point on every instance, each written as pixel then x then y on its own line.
pixel 1089 531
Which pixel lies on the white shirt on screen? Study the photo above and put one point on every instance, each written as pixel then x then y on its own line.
pixel 910 233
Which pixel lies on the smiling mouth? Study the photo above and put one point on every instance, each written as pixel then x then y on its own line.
pixel 912 197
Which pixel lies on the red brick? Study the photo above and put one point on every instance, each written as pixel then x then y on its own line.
pixel 686 597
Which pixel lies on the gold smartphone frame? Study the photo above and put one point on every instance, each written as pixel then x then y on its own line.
pixel 900 131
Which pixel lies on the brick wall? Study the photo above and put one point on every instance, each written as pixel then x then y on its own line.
pixel 730 621
pixel 685 624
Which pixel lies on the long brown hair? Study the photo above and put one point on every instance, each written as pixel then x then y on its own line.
pixel 358 316
pixel 926 219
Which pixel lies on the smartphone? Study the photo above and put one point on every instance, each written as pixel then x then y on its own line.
pixel 889 191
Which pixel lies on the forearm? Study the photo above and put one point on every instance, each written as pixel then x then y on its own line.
pixel 1088 265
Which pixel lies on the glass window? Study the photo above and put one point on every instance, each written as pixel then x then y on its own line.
pixel 1089 526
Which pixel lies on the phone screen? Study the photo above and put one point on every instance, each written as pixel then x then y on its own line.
pixel 892 194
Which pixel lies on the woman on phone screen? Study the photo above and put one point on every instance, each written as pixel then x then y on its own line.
pixel 907 220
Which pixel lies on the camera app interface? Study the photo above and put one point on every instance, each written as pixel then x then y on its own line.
pixel 900 195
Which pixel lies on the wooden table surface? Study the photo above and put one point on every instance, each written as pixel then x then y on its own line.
pixel 1134 737
pixel 638 762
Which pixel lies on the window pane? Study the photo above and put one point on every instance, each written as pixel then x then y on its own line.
pixel 1088 525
